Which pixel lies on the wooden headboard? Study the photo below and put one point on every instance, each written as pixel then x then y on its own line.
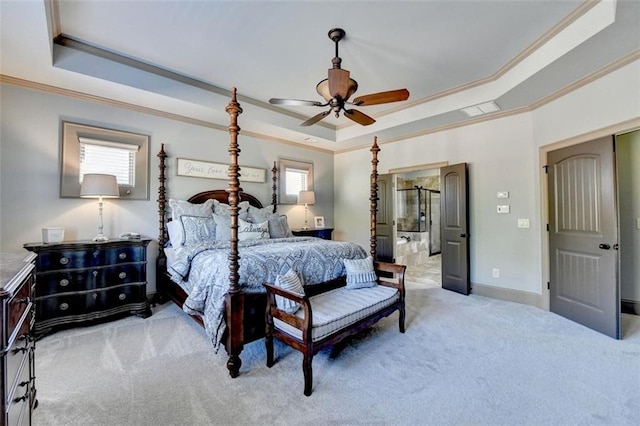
pixel 223 196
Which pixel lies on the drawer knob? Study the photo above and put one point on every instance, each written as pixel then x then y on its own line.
pixel 95 273
pixel 64 306
pixel 64 282
pixel 95 296
pixel 122 255
pixel 122 275
pixel 122 296
pixel 64 260
pixel 24 301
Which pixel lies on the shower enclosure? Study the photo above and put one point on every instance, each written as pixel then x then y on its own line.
pixel 418 211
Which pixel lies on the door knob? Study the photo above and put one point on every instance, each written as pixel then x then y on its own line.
pixel 604 246
pixel 463 235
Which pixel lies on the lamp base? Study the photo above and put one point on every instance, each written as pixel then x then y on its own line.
pixel 100 238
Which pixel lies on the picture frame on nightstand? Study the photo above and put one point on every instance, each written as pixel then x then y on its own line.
pixel 318 221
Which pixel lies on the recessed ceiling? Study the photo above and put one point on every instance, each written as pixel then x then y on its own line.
pixel 182 57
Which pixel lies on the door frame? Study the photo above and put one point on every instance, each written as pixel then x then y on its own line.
pixel 616 129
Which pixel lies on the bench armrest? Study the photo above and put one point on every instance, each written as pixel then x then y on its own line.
pixel 390 274
pixel 303 323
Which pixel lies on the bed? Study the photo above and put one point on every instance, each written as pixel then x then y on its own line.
pixel 207 277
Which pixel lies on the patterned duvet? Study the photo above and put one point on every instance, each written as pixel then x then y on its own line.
pixel 203 270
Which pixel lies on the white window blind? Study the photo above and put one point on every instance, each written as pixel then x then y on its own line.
pixel 296 180
pixel 114 158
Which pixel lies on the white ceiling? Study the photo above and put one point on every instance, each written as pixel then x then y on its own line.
pixel 182 57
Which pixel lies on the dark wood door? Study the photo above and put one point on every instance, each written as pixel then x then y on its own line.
pixel 583 235
pixel 454 232
pixel 384 219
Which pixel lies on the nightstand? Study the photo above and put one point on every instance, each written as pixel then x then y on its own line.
pixel 81 282
pixel 313 232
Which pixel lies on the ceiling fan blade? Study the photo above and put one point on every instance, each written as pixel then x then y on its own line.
pixel 339 83
pixel 358 117
pixel 382 97
pixel 294 102
pixel 315 118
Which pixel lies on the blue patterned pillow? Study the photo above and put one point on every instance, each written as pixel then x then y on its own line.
pixel 360 273
pixel 197 229
pixel 289 281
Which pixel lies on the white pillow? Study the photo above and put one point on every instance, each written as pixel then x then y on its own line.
pixel 360 273
pixel 197 229
pixel 174 229
pixel 289 281
pixel 278 225
pixel 180 207
pixel 252 231
pixel 223 227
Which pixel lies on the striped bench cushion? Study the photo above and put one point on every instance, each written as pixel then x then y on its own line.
pixel 337 309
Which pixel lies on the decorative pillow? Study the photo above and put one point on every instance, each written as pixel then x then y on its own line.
pixel 289 281
pixel 176 235
pixel 223 227
pixel 197 229
pixel 180 207
pixel 222 209
pixel 284 229
pixel 360 273
pixel 252 231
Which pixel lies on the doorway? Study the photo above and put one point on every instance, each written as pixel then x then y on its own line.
pixel 417 220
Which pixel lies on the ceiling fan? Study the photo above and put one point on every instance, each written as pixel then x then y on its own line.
pixel 338 88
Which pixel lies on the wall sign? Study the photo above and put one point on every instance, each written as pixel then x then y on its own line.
pixel 205 169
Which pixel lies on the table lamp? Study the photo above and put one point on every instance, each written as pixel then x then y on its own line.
pixel 306 198
pixel 95 185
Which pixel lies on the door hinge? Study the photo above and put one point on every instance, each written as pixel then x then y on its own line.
pixel 546 169
pixel 547 227
pixel 548 285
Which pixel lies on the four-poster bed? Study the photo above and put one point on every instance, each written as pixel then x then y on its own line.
pixel 241 306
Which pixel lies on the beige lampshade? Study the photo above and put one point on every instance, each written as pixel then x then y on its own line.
pixel 96 185
pixel 306 197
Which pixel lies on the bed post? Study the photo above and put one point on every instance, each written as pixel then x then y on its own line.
pixel 274 193
pixel 374 196
pixel 161 260
pixel 234 302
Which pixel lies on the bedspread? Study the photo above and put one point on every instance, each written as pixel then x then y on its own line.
pixel 203 270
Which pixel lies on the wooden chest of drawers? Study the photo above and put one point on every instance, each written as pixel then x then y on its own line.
pixel 84 281
pixel 18 392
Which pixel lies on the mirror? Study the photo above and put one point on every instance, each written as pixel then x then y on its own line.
pixel 294 176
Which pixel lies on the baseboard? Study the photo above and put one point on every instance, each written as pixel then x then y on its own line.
pixel 508 294
pixel 630 307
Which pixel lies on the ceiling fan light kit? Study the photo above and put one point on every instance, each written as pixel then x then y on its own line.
pixel 336 90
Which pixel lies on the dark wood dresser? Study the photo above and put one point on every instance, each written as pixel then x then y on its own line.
pixel 18 397
pixel 81 282
pixel 313 232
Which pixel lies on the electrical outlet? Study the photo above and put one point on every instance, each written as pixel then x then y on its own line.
pixel 523 223
pixel 495 273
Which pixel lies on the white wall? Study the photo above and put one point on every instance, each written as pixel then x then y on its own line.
pixel 30 170
pixel 503 155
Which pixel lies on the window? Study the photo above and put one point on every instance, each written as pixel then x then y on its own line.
pixel 295 176
pixel 87 149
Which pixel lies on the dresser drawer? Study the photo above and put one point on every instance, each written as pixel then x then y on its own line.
pixel 17 364
pixel 17 306
pixel 18 398
pixel 50 283
pixel 74 259
pixel 84 303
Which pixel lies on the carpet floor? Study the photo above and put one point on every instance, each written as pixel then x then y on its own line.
pixel 464 360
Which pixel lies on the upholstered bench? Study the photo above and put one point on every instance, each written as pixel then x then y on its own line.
pixel 326 318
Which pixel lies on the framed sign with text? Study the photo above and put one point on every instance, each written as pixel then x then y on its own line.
pixel 206 169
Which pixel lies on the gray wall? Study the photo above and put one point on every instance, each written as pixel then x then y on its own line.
pixel 628 161
pixel 30 169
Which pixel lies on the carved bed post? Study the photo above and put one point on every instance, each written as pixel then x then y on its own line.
pixel 161 260
pixel 274 194
pixel 234 308
pixel 374 196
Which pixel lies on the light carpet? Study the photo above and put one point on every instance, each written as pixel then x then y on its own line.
pixel 464 360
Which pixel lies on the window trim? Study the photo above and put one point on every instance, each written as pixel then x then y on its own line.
pixel 285 164
pixel 70 158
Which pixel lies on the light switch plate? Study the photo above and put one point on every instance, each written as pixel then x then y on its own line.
pixel 503 209
pixel 502 194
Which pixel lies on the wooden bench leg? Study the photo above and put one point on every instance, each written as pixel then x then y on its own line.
pixel 308 373
pixel 401 319
pixel 268 341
